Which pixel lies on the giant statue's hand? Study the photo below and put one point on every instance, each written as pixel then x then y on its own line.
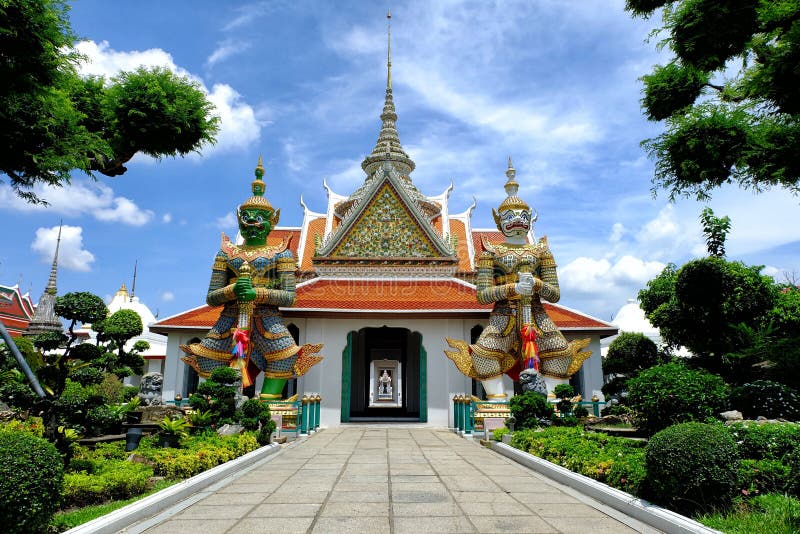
pixel 525 284
pixel 244 289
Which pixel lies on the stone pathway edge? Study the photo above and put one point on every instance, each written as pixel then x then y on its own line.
pixel 157 502
pixel 646 512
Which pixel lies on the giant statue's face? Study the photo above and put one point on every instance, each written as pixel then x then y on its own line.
pixel 515 222
pixel 255 225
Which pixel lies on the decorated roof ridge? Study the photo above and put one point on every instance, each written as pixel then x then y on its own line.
pixel 390 176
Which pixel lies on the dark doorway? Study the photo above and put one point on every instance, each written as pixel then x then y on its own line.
pixel 370 345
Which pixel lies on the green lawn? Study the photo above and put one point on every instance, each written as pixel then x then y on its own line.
pixel 765 514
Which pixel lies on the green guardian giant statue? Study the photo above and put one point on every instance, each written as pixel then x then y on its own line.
pixel 250 281
pixel 516 276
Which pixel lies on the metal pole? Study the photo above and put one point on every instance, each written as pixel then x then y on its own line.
pixel 21 361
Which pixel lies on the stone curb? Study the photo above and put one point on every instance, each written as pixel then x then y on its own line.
pixel 648 513
pixel 157 502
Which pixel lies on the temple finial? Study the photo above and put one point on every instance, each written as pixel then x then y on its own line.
pixel 260 168
pixel 133 286
pixel 51 282
pixel 389 49
pixel 511 172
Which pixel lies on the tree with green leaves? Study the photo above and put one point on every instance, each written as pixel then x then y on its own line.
pixel 701 305
pixel 52 121
pixel 628 354
pixel 113 333
pixel 715 230
pixel 730 95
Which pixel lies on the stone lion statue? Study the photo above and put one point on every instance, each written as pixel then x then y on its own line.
pixel 532 381
pixel 150 389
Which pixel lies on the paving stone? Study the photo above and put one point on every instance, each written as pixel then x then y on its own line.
pixel 531 524
pixel 206 526
pixel 360 486
pixel 294 496
pixel 544 498
pixel 469 483
pixel 432 525
pixel 360 496
pixel 467 497
pixel 203 511
pixel 238 487
pixel 426 509
pixel 234 498
pixel 497 508
pixel 582 525
pixel 565 510
pixel 355 509
pixel 300 509
pixel 336 525
pixel 248 525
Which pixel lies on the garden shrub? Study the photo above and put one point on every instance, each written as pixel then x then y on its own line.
pixel 764 476
pixel 254 414
pixel 117 480
pixel 87 376
pixel 129 392
pixel 792 460
pixel 564 391
pixel 580 411
pixel 31 478
pixel 531 410
pixel 770 441
pixel 772 400
pixel 17 395
pixel 691 467
pixel 615 461
pixel 668 394
pixel 616 409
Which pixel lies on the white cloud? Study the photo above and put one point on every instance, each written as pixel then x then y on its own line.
pixel 294 157
pixel 167 296
pixel 226 49
pixel 166 218
pixel 238 125
pixel 80 197
pixel 227 222
pixel 71 254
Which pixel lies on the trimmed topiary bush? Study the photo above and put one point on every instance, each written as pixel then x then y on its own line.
pixel 668 394
pixel 531 410
pixel 691 467
pixel 772 400
pixel 31 478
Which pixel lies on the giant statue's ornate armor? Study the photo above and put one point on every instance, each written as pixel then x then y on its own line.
pixel 269 270
pixel 501 268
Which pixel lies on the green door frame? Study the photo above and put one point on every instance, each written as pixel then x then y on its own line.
pixel 347 376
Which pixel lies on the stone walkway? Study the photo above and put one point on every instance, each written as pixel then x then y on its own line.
pixel 391 480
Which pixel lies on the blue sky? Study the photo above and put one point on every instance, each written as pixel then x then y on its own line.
pixel 554 84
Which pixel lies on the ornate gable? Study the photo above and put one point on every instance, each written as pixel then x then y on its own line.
pixel 385 227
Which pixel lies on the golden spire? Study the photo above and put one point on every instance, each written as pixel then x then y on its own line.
pixel 389 49
pixel 260 168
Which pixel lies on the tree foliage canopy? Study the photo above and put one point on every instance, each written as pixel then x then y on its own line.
pixel 52 121
pixel 701 305
pixel 744 128
pixel 630 352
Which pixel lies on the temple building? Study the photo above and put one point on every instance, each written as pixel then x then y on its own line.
pixel 384 274
pixel 16 309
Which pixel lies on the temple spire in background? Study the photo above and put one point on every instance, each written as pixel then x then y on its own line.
pixel 45 318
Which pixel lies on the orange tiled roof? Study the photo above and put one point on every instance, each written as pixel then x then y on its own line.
pixel 459 229
pixel 315 227
pixel 387 296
